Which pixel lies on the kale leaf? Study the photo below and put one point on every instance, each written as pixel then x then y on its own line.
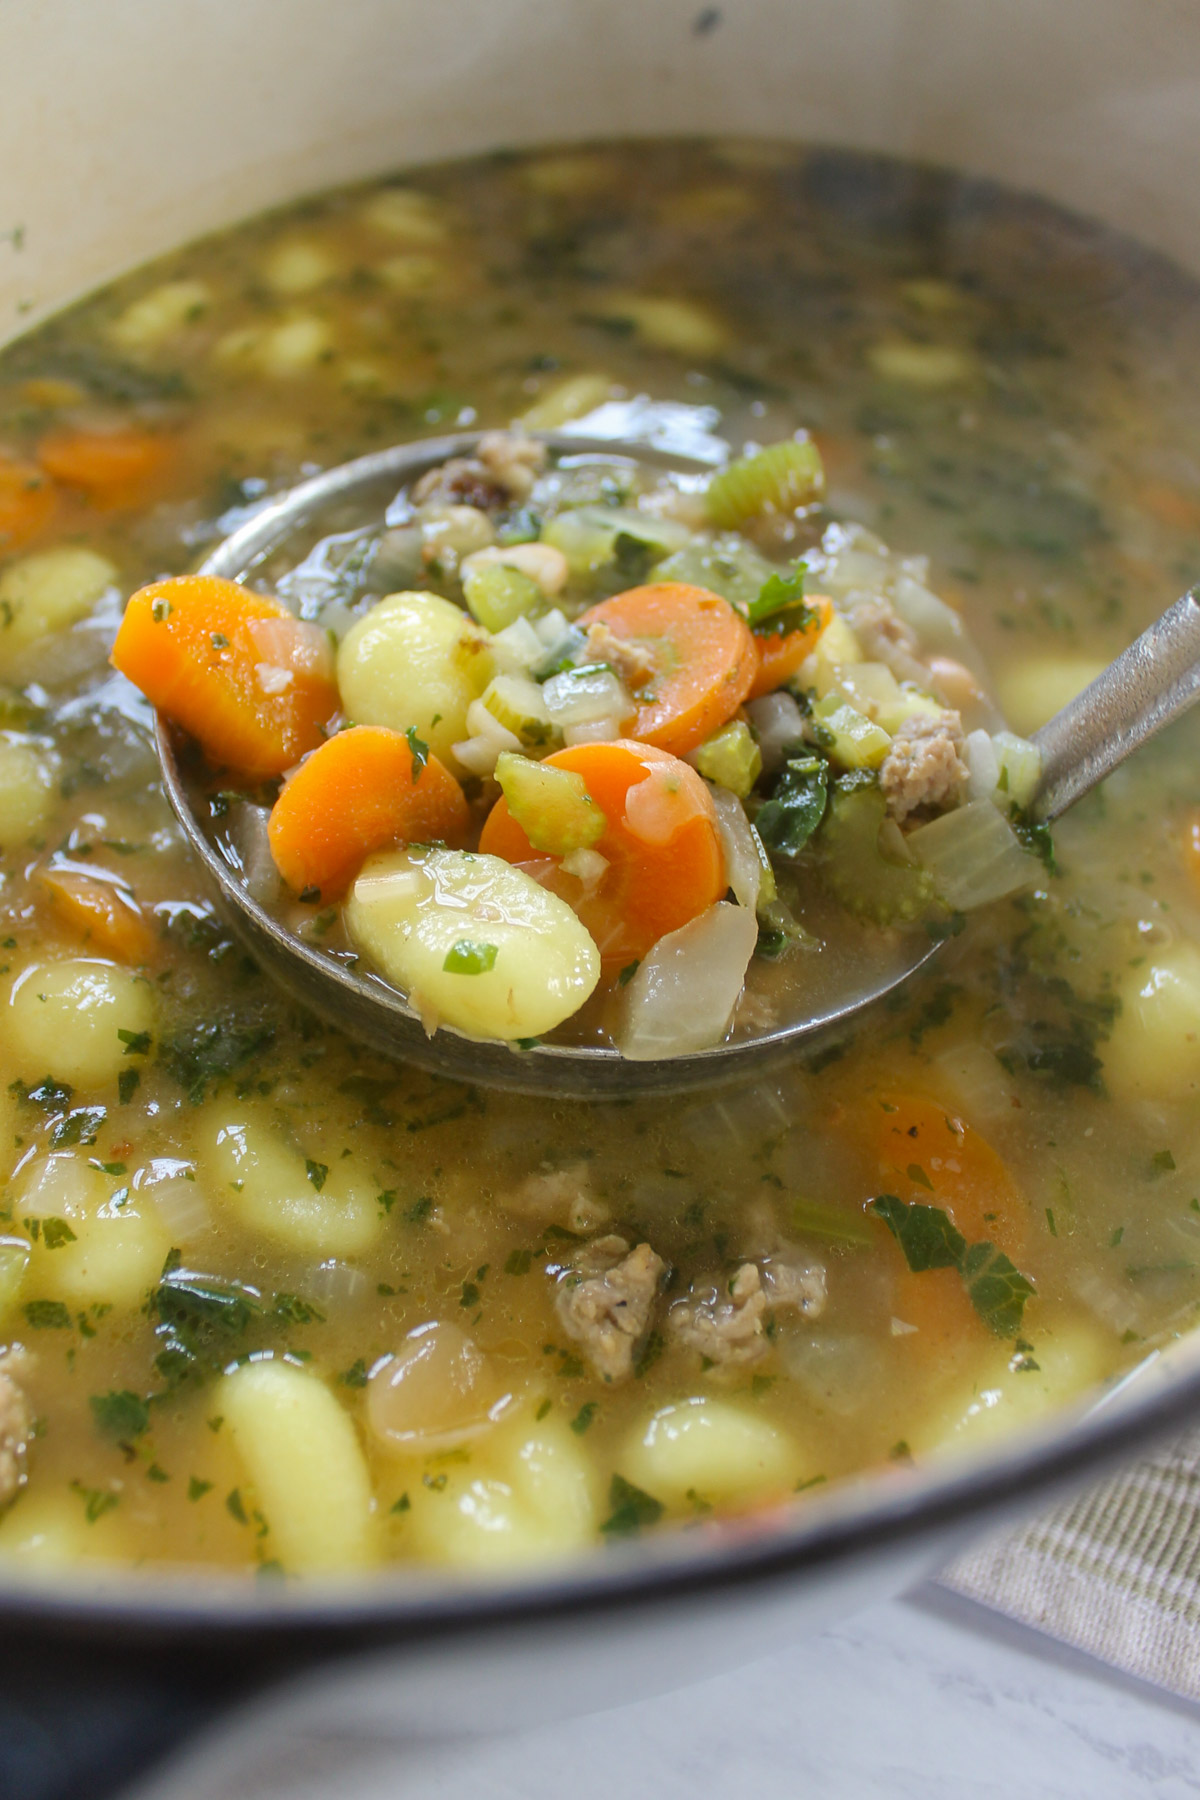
pixel 929 1239
pixel 788 819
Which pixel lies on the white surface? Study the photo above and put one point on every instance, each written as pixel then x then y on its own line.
pixel 929 1698
pixel 152 123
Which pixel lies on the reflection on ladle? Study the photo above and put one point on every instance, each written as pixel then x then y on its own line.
pixel 1146 687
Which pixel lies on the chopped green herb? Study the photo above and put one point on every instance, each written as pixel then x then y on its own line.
pixel 1163 1160
pixel 56 1233
pixel 632 1508
pixel 470 1294
pixel 543 1410
pixel 128 1082
pixel 96 1501
pixel 197 1488
pixel 235 1506
pixel 402 1505
pixel 123 1415
pixel 467 958
pixel 356 1375
pixel 419 750
pixel 628 972
pixel 316 1172
pixel 137 1043
pixel 518 1262
pixel 46 1315
pixel 583 1418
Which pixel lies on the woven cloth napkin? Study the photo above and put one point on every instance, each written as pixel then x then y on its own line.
pixel 1115 1572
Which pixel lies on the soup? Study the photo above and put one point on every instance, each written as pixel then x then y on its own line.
pixel 271 1305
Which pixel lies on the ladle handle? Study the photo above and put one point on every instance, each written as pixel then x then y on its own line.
pixel 1147 686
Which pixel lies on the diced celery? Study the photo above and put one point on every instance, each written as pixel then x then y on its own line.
pixel 777 479
pixel 552 806
pixel 1020 767
pixel 836 647
pixel 597 537
pixel 973 855
pixel 854 741
pixel 858 874
pixel 726 565
pixel 730 758
pixel 518 704
pixel 497 595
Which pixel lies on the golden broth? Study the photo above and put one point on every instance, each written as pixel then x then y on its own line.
pixel 230 1186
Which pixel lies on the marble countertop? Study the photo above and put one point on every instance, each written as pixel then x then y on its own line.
pixel 927 1698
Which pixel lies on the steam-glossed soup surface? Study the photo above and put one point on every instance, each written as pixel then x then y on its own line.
pixel 268 1303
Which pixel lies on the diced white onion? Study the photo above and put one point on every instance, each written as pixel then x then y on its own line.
pixel 176 1196
pixel 573 698
pixel 743 864
pixel 517 648
pixel 594 731
pixel 983 765
pixel 551 626
pixel 973 855
pixel 587 866
pixel 777 723
pixel 682 996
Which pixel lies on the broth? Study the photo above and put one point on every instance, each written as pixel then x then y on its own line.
pixel 274 1306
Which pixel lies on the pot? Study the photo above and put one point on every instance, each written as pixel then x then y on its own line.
pixel 129 128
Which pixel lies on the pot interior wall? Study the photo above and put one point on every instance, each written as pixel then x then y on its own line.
pixel 128 128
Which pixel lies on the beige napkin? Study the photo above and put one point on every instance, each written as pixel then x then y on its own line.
pixel 1115 1572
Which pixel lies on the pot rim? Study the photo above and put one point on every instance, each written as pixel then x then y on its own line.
pixel 876 1513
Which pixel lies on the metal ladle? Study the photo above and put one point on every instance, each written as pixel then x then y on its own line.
pixel 1143 690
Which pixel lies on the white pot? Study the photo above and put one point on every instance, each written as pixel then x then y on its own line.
pixel 129 126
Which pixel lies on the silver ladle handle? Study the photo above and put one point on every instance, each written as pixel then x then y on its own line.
pixel 1147 686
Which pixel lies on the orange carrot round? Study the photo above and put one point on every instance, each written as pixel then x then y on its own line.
pixel 251 683
pixel 357 793
pixel 27 502
pixel 665 863
pixel 114 468
pixel 928 1155
pixel 101 914
pixel 704 655
pixel 780 653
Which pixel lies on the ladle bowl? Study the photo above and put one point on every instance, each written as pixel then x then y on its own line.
pixel 1147 686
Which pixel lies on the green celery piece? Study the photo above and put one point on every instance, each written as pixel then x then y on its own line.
pixel 552 806
pixel 853 866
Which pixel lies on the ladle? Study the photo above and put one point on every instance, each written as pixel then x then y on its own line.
pixel 1148 685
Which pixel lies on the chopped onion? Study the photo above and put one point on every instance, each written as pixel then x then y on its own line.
pixel 777 723
pixel 587 866
pixel 682 996
pixel 518 648
pixel 974 856
pixel 586 696
pixel 743 859
pixel 176 1196
pixel 595 731
pixel 983 765
pixel 479 753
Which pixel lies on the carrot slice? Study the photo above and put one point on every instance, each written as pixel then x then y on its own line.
pixel 665 863
pixel 253 684
pixel 704 654
pixel 359 792
pixel 114 468
pixel 27 502
pixel 102 914
pixel 930 1156
pixel 781 653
